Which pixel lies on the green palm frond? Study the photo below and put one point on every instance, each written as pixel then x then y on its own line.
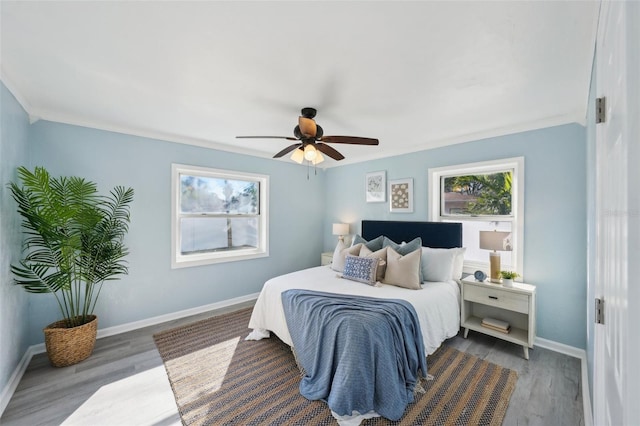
pixel 73 237
pixel 34 278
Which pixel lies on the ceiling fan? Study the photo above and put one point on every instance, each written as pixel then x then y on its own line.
pixel 312 140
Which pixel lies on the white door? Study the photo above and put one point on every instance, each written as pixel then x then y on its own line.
pixel 617 352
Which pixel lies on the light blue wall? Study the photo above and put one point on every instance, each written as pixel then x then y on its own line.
pixel 152 288
pixel 14 125
pixel 555 217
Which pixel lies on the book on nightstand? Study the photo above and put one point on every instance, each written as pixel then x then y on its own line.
pixel 497 325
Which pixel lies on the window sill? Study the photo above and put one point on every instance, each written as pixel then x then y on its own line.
pixel 202 260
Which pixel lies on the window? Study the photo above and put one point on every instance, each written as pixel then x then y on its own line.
pixel 483 196
pixel 217 216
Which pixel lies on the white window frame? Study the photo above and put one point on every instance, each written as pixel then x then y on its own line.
pixel 179 260
pixel 517 203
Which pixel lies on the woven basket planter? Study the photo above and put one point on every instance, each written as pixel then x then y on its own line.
pixel 68 346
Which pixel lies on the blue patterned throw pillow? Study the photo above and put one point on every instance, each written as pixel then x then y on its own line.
pixel 361 269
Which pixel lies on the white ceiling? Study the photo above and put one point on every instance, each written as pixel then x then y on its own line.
pixel 415 75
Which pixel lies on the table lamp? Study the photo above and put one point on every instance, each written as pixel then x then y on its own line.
pixel 496 241
pixel 341 229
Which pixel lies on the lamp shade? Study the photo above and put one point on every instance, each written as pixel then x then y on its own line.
pixel 310 152
pixel 298 156
pixel 340 229
pixel 318 159
pixel 495 240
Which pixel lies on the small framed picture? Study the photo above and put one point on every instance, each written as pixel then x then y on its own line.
pixel 376 187
pixel 401 196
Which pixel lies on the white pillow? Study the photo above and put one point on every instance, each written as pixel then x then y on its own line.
pixel 458 263
pixel 442 264
pixel 340 253
pixel 403 271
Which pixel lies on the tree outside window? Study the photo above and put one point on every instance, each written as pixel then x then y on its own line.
pixel 478 195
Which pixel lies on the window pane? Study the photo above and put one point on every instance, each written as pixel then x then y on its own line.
pixel 200 194
pixel 477 195
pixel 200 235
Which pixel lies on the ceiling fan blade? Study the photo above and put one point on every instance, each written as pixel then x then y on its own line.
pixel 289 138
pixel 350 139
pixel 287 150
pixel 329 151
pixel 307 126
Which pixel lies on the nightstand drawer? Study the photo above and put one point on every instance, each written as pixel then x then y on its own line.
pixel 498 298
pixel 326 258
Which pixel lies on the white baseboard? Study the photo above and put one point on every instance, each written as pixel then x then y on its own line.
pixel 581 354
pixel 14 380
pixel 117 329
pixel 32 350
pixel 586 392
pixel 559 347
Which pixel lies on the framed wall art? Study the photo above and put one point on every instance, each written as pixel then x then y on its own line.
pixel 401 196
pixel 376 187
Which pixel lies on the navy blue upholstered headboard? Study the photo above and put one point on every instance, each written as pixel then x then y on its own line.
pixel 433 234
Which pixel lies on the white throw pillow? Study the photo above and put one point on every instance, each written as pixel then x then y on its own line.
pixel 442 264
pixel 403 271
pixel 340 253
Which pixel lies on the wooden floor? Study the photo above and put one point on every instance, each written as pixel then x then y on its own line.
pixel 124 383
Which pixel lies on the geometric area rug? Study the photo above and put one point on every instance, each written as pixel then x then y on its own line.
pixel 218 378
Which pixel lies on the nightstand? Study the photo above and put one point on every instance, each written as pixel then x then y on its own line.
pixel 515 305
pixel 326 258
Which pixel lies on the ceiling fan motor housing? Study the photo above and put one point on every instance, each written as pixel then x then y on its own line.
pixel 298 134
pixel 308 112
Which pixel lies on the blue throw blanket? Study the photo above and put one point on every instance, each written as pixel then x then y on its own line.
pixel 358 353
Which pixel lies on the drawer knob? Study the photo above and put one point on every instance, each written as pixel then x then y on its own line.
pixel 493 297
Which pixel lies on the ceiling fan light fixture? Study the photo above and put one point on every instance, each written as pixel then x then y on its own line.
pixel 319 158
pixel 310 152
pixel 298 156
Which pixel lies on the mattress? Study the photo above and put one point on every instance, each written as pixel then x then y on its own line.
pixel 437 303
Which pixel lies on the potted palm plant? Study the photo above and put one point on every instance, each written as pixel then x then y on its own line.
pixel 73 245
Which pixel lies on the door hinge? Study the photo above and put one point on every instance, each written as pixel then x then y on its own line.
pixel 601 104
pixel 599 311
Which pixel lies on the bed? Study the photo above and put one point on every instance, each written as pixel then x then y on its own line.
pixel 437 304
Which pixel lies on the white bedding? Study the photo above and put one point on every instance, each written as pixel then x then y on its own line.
pixel 437 303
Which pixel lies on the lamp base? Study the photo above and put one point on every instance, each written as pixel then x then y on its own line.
pixel 494 261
